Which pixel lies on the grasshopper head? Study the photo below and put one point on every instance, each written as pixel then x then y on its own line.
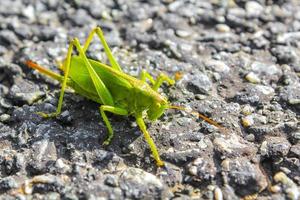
pixel 156 110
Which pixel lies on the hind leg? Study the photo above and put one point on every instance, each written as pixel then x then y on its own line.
pixel 63 86
pixel 111 58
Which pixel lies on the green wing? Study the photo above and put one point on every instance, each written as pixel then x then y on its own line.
pixel 80 75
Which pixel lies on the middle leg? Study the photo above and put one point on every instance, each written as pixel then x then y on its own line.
pixel 162 78
pixel 112 109
pixel 156 83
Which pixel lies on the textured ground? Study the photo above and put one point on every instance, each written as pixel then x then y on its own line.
pixel 240 62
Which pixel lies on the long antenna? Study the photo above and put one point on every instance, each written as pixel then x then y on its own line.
pixel 43 70
pixel 208 120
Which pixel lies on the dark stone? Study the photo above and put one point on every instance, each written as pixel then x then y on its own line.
pixel 244 176
pixel 234 147
pixel 290 95
pixel 274 147
pixel 180 158
pixel 7 183
pixel 43 159
pixel 80 18
pixel 47 183
pixel 65 117
pixel 284 54
pixel 6 132
pixel 23 32
pixel 202 170
pixel 25 92
pixel 12 165
pixel 138 184
pixel 199 84
pixel 8 38
pixel 255 94
pixel 111 181
pixel 295 150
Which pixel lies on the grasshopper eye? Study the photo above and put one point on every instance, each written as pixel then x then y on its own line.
pixel 156 111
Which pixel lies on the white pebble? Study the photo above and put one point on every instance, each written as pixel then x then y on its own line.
pixel 223 28
pixel 218 194
pixel 247 121
pixel 252 78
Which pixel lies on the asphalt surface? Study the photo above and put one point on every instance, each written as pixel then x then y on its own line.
pixel 238 63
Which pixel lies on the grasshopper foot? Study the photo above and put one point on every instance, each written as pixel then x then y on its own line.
pixel 107 141
pixel 171 81
pixel 160 163
pixel 46 115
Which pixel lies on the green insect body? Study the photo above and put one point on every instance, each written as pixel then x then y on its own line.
pixel 118 92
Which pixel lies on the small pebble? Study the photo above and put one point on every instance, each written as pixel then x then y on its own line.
pixel 253 8
pixel 247 109
pixel 275 147
pixel 252 78
pixel 296 136
pixel 174 5
pixel 246 176
pixel 223 28
pixel 8 183
pixel 193 170
pixel 5 103
pixel 200 84
pixel 250 137
pixel 65 117
pixel 217 66
pixel 293 101
pixel 265 69
pixel 27 187
pixel 289 187
pixel 136 183
pixel 265 90
pixel 216 76
pixel 218 194
pixel 247 121
pixel 29 12
pixel 4 117
pixel 111 181
pixel 62 166
pixel 59 163
pixel 183 33
pixel 24 91
pixel 105 15
pixel 275 189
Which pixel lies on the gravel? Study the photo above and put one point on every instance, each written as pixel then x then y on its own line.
pixel 238 62
pixel 245 177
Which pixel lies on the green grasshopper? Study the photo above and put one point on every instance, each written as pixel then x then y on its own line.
pixel 119 93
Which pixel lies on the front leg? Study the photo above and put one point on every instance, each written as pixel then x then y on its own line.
pixel 156 83
pixel 162 78
pixel 149 140
pixel 112 109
